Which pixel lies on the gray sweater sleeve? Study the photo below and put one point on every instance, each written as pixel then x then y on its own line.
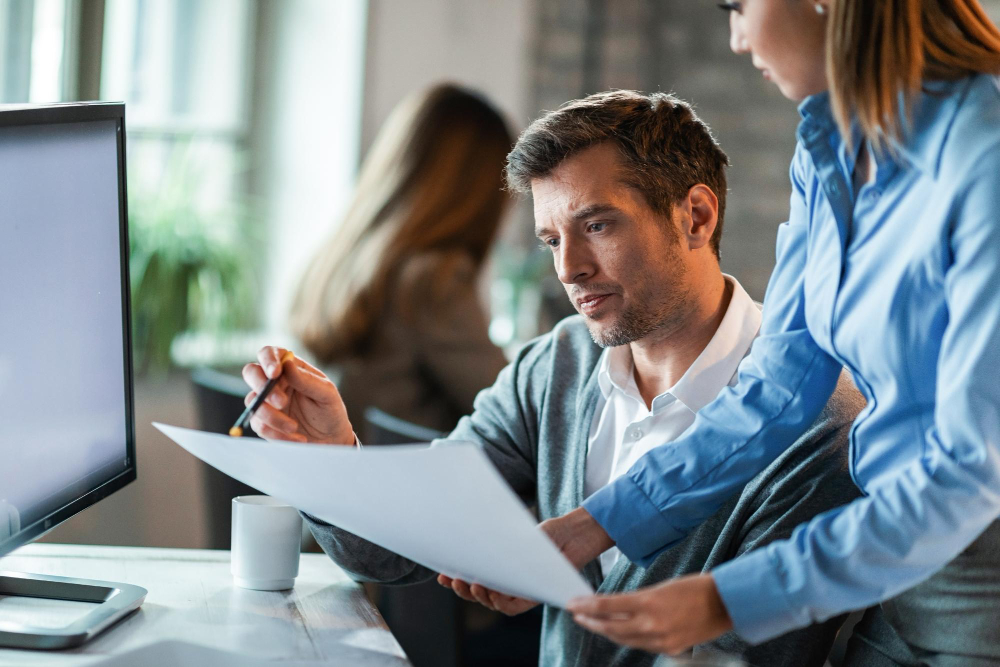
pixel 503 422
pixel 811 478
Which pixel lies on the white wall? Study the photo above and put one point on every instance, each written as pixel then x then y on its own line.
pixel 484 44
pixel 310 64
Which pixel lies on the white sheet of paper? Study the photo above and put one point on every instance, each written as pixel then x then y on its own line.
pixel 445 507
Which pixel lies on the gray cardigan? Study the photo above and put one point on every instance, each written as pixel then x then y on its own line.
pixel 534 425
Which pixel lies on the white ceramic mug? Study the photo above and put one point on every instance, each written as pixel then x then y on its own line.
pixel 266 541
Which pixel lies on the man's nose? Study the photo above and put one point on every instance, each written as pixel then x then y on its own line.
pixel 737 40
pixel 573 262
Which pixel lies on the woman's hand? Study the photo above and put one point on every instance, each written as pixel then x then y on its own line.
pixel 304 406
pixel 578 535
pixel 668 618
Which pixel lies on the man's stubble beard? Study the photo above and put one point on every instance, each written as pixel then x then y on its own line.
pixel 644 317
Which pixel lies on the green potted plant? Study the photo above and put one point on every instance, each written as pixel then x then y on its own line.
pixel 189 268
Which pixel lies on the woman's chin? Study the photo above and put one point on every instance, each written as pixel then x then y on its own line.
pixel 797 92
pixel 790 91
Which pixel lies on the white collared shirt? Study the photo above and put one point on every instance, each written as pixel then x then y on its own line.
pixel 624 429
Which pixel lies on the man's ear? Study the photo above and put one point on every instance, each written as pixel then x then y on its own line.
pixel 701 207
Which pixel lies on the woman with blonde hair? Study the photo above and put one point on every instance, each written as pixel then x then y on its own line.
pixel 390 304
pixel 889 265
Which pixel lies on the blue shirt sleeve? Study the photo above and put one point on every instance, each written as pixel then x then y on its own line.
pixel 923 516
pixel 782 386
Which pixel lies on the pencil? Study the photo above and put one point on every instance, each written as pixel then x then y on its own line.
pixel 237 430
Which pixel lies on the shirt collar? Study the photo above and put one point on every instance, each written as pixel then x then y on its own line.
pixel 615 370
pixel 931 117
pixel 714 367
pixel 816 109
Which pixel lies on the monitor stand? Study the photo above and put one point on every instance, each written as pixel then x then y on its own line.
pixel 114 602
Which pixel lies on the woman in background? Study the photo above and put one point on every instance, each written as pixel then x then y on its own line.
pixel 389 305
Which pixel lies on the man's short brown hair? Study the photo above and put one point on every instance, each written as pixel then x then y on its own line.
pixel 666 149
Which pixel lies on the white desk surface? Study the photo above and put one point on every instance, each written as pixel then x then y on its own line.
pixel 326 618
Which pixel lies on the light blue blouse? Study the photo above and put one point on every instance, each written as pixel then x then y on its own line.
pixel 900 283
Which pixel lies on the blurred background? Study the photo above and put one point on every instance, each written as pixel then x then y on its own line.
pixel 247 121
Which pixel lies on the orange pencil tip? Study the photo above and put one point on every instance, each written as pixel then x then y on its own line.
pixel 236 431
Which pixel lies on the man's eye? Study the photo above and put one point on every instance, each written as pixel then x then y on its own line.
pixel 551 243
pixel 596 226
pixel 731 6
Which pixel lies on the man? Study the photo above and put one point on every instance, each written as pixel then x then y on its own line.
pixel 629 195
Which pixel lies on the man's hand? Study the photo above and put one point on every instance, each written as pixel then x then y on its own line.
pixel 505 604
pixel 304 406
pixel 668 618
pixel 577 535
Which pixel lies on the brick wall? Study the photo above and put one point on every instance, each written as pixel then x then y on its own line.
pixel 682 46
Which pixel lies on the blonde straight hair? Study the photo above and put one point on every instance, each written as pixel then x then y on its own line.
pixel 879 49
pixel 430 187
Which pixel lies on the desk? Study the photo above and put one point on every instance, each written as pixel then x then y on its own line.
pixel 325 618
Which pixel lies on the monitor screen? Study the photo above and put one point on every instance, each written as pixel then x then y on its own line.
pixel 66 432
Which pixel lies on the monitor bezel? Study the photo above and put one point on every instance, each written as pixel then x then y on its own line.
pixel 79 112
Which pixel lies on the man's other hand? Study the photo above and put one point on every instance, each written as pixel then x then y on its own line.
pixel 577 535
pixel 505 604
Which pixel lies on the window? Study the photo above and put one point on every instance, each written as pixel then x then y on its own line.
pixel 183 69
pixel 243 121
pixel 35 37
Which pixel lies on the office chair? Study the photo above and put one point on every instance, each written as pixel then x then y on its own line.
pixel 381 428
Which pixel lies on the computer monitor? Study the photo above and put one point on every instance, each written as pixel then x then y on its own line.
pixel 67 437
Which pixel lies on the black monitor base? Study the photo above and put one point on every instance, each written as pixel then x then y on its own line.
pixel 114 602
